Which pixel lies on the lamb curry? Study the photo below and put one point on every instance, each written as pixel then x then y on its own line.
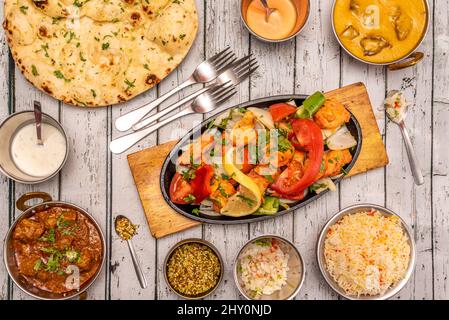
pixel 51 244
pixel 380 31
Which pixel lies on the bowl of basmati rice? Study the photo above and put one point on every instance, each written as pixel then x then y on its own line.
pixel 269 268
pixel 366 252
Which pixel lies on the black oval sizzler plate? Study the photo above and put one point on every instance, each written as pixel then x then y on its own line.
pixel 169 168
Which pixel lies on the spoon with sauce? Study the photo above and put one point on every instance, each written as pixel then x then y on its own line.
pixel 396 108
pixel 126 230
pixel 268 10
pixel 38 119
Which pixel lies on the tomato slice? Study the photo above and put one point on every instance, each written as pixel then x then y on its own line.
pixel 294 141
pixel 180 189
pixel 310 138
pixel 281 111
pixel 201 183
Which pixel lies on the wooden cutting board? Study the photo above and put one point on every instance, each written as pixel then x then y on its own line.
pixel 146 164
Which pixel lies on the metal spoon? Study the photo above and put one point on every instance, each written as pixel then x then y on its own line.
pixel 139 272
pixel 38 120
pixel 268 10
pixel 414 165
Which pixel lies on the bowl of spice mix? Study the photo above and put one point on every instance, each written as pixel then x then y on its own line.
pixel 193 269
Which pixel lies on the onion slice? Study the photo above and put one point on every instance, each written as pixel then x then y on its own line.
pixel 341 140
pixel 263 116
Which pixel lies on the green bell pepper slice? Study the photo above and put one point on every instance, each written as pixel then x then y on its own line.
pixel 311 105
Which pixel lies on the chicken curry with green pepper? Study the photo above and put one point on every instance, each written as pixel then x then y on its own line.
pixel 53 243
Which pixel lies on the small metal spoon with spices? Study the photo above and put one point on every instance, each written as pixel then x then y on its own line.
pixel 126 230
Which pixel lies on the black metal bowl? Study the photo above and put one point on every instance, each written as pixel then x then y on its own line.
pixel 169 168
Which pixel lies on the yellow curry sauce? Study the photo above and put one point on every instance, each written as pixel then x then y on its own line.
pixel 380 31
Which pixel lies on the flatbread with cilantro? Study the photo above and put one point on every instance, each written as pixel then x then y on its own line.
pixel 98 52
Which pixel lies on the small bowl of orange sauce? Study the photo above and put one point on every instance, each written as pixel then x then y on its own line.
pixel 285 23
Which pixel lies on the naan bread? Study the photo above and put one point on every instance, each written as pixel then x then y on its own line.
pixel 98 52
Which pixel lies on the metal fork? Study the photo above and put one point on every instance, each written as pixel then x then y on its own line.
pixel 207 71
pixel 235 74
pixel 204 103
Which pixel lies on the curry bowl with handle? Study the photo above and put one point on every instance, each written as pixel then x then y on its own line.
pixel 25 283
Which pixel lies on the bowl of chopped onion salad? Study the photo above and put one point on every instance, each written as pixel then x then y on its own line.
pixel 366 252
pixel 269 268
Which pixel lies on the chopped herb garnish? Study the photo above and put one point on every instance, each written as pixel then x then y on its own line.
pixel 344 171
pixel 71 35
pixel 284 144
pixel 23 9
pixel 188 175
pixel 37 265
pixel 34 70
pixel 55 20
pixel 248 201
pixel 61 223
pixel 94 94
pixel 105 46
pixel 52 263
pixel 222 191
pixel 182 36
pixel 146 66
pixel 70 231
pixel 58 74
pixel 72 255
pixel 78 4
pixel 317 186
pixel 130 84
pixel 196 211
pixel 192 162
pixel 322 167
pixel 49 250
pixel 49 237
pixel 283 132
pixel 189 198
pixel 82 58
pixel 44 47
pixel 263 242
pixel 224 176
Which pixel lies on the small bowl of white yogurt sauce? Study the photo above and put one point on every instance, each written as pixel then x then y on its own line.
pixel 22 158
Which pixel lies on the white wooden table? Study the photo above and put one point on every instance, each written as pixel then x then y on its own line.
pixel 102 183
